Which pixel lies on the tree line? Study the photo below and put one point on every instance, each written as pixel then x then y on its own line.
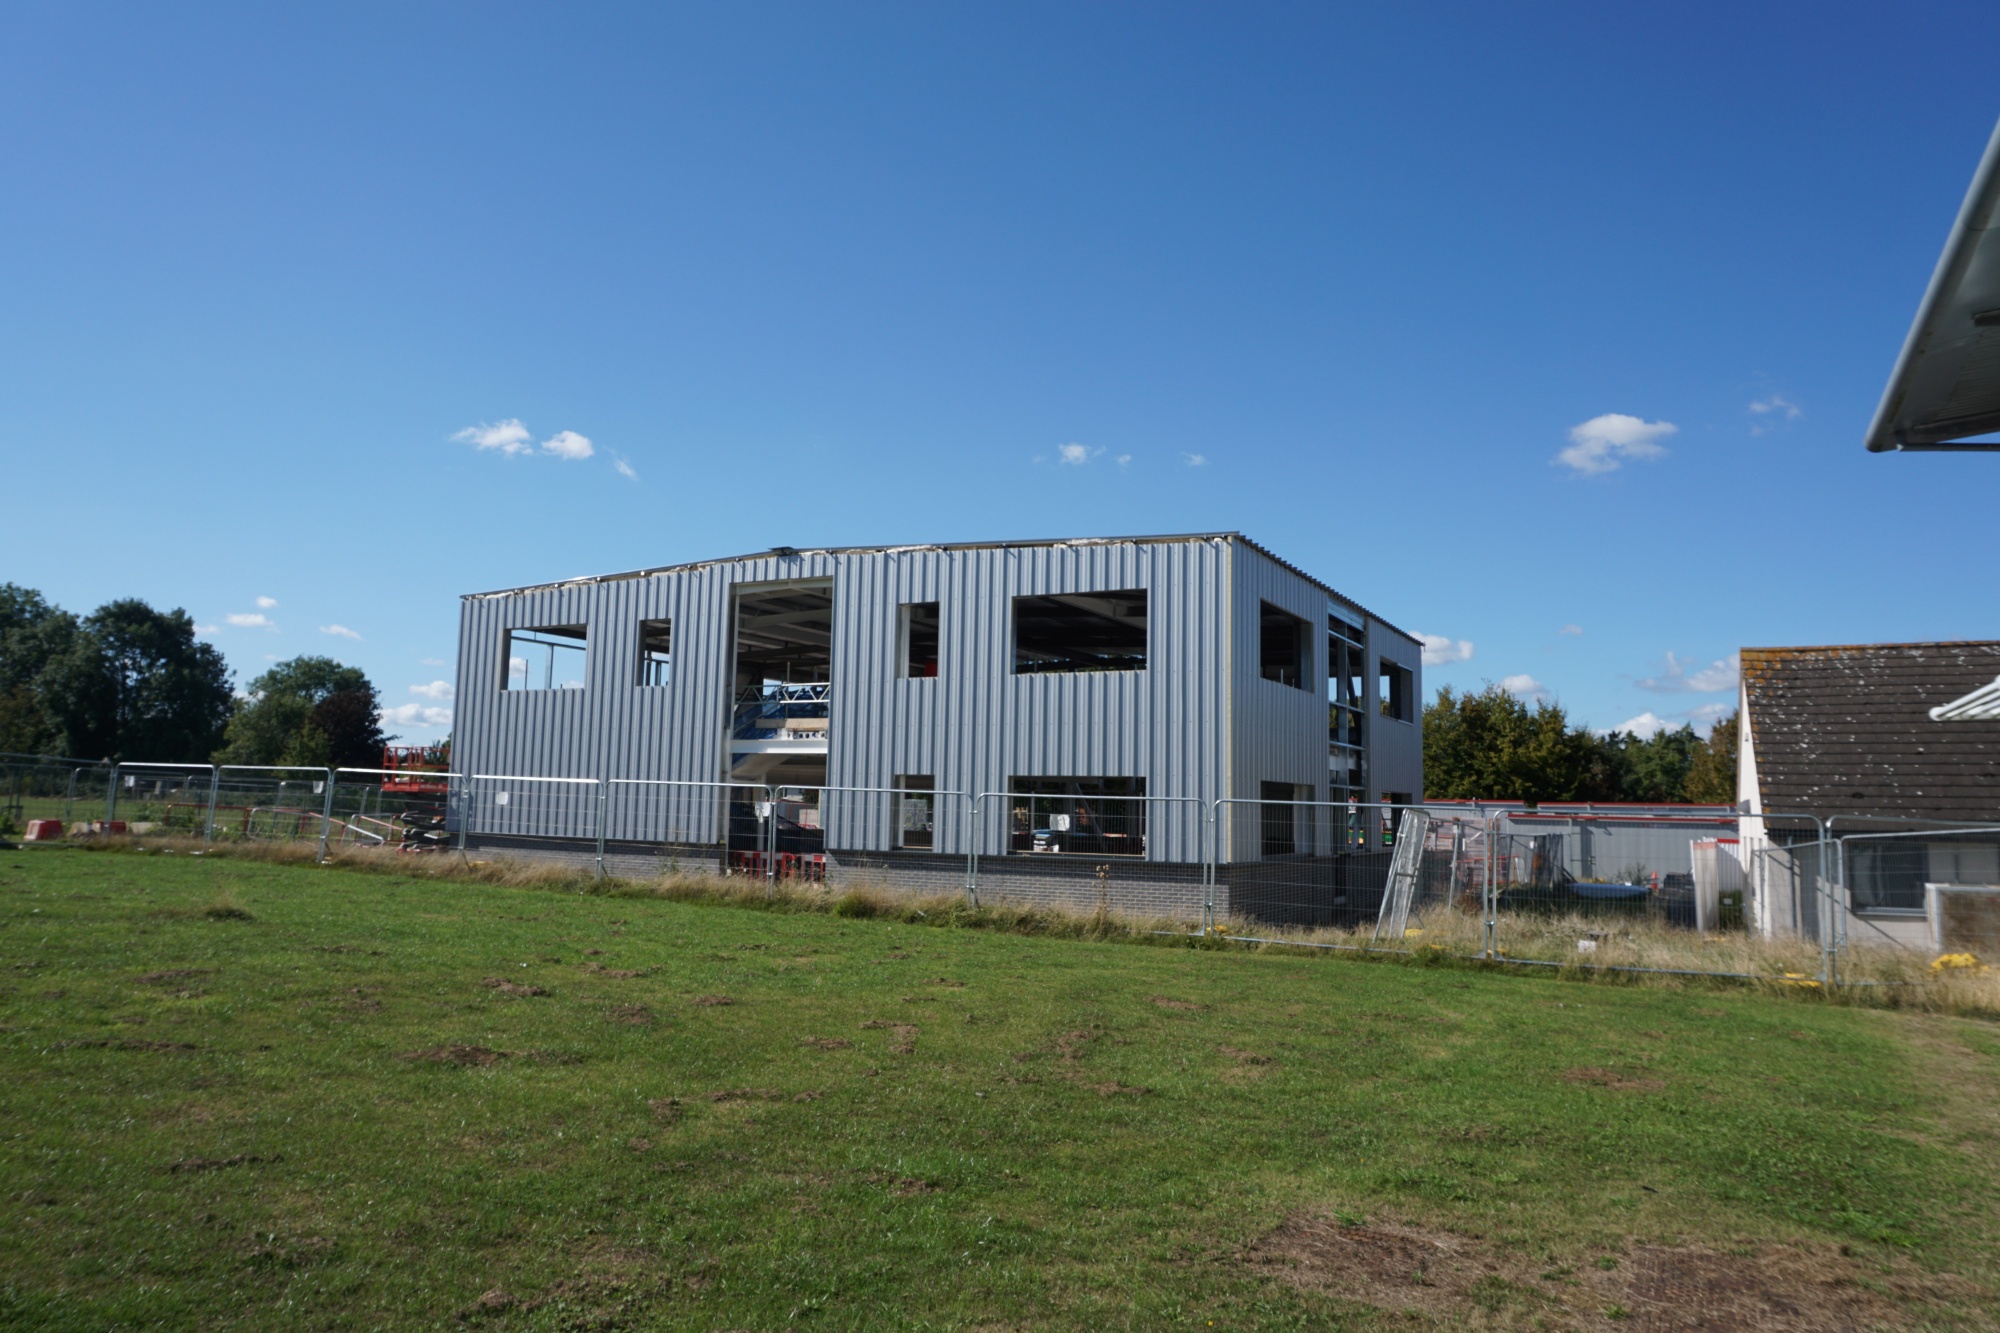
pixel 130 683
pixel 1491 745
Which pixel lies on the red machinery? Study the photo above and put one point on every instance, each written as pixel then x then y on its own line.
pixel 417 775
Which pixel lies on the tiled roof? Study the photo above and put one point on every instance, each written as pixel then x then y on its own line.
pixel 1847 730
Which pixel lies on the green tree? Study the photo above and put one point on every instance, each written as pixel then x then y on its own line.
pixel 1653 769
pixel 309 710
pixel 1712 774
pixel 134 684
pixel 33 633
pixel 1493 746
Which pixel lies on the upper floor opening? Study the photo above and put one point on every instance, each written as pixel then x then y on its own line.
pixel 784 662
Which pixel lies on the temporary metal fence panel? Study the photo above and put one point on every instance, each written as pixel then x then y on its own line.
pixel 1086 851
pixel 148 799
pixel 1405 865
pixel 70 792
pixel 1326 864
pixel 270 802
pixel 690 826
pixel 527 808
pixel 1608 864
pixel 1886 875
pixel 411 810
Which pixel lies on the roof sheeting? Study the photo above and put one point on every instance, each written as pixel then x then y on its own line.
pixel 1946 384
pixel 1848 730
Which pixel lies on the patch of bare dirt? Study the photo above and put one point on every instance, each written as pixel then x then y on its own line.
pixel 905 1033
pixel 1454 1279
pixel 1777 1289
pixel 747 1095
pixel 1116 1089
pixel 637 1015
pixel 1070 1045
pixel 506 987
pixel 713 1001
pixel 827 1043
pixel 175 974
pixel 120 1044
pixel 496 1300
pixel 455 1055
pixel 221 1163
pixel 668 1109
pixel 620 973
pixel 1184 1006
pixel 945 981
pixel 1245 1057
pixel 1592 1076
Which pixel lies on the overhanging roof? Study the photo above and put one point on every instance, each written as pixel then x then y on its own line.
pixel 1946 385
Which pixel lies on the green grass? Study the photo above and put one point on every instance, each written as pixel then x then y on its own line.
pixel 245 1145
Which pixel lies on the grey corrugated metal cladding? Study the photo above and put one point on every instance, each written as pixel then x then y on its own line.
pixel 1198 720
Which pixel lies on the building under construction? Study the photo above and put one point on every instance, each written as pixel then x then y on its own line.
pixel 1067 711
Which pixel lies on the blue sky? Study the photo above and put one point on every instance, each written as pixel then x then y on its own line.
pixel 1349 280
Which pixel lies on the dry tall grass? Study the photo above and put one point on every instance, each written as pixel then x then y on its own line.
pixel 1871 974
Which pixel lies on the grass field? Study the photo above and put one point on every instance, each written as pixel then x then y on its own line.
pixel 246 1095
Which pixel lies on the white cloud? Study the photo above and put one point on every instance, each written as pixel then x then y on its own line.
pixel 416 715
pixel 1677 679
pixel 339 631
pixel 1442 651
pixel 437 689
pixel 249 620
pixel 1602 444
pixel 1570 629
pixel 1076 455
pixel 509 436
pixel 1708 715
pixel 266 603
pixel 568 444
pixel 1645 726
pixel 205 629
pixel 1196 460
pixel 1771 410
pixel 624 469
pixel 1124 460
pixel 1524 687
pixel 430 661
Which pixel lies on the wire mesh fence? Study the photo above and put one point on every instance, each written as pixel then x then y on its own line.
pixel 1501 881
pixel 1318 864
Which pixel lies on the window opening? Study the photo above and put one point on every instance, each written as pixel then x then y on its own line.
pixel 1396 688
pixel 1286 643
pixel 1346 663
pixel 1392 819
pixel 916 808
pixel 1280 821
pixel 656 652
pixel 1889 876
pixel 545 657
pixel 784 660
pixel 1099 631
pixel 920 639
pixel 1077 816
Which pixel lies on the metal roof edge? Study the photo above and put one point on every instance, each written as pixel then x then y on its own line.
pixel 785 552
